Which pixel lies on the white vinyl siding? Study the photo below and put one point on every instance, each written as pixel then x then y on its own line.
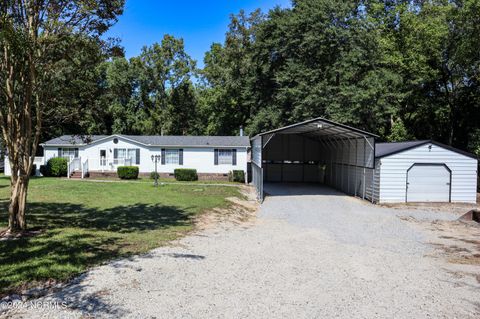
pixel 393 172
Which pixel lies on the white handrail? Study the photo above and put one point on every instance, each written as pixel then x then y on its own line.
pixel 85 168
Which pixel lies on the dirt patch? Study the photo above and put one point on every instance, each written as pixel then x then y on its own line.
pixel 456 241
pixel 241 211
pixel 454 208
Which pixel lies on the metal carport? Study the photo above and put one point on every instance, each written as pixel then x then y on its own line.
pixel 316 150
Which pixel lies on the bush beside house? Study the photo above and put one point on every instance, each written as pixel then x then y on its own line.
pixel 185 174
pixel 127 172
pixel 236 176
pixel 56 167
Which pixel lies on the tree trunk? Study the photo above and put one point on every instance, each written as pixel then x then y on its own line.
pixel 18 202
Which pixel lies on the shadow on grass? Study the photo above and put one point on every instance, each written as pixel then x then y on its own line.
pixel 76 237
pixel 120 219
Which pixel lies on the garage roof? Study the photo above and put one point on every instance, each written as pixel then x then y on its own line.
pixel 386 149
pixel 320 127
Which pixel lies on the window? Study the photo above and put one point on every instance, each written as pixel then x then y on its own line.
pixel 172 156
pixel 68 152
pixel 225 157
pixel 126 156
pixel 132 154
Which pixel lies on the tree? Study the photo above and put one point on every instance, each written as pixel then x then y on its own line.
pixel 163 67
pixel 228 71
pixel 35 36
pixel 398 132
pixel 433 47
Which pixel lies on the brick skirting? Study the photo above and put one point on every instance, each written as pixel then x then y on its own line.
pixel 101 174
pixel 201 176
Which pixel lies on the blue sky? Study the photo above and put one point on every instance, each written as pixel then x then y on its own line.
pixel 199 23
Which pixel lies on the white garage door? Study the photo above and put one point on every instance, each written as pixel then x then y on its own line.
pixel 428 183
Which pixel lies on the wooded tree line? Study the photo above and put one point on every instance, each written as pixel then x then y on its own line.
pixel 401 69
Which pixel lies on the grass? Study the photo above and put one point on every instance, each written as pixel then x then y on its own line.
pixel 86 223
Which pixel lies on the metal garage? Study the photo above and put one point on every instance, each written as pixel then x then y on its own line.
pixel 425 171
pixel 318 151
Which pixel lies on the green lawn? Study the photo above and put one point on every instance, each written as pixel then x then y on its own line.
pixel 87 223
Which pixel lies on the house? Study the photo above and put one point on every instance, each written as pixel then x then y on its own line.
pixel 351 160
pixel 212 156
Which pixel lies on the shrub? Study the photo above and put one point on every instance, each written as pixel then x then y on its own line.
pixel 34 170
pixel 236 176
pixel 44 170
pixel 154 175
pixel 127 172
pixel 185 174
pixel 57 166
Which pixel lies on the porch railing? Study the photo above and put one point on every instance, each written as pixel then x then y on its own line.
pixel 85 168
pixel 74 165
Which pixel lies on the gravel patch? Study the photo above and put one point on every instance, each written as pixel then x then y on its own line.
pixel 306 256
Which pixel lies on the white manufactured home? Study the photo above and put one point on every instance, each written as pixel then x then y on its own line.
pixel 350 160
pixel 212 156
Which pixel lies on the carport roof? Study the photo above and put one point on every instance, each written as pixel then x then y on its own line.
pixel 321 127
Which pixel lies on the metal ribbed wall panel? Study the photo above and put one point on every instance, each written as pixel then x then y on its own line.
pixel 393 172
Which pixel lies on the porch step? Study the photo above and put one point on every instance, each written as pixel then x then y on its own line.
pixel 76 174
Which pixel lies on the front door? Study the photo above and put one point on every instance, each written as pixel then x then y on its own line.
pixel 103 159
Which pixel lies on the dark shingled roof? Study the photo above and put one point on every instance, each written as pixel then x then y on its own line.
pixel 157 140
pixel 385 149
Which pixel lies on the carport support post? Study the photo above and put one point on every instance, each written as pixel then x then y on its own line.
pixel 335 145
pixel 373 184
pixel 356 163
pixel 363 197
pixel 330 148
pixel 331 162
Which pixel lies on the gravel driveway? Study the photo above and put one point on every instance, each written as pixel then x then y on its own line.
pixel 305 256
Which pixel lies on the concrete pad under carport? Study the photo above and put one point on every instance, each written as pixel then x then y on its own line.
pixel 298 189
